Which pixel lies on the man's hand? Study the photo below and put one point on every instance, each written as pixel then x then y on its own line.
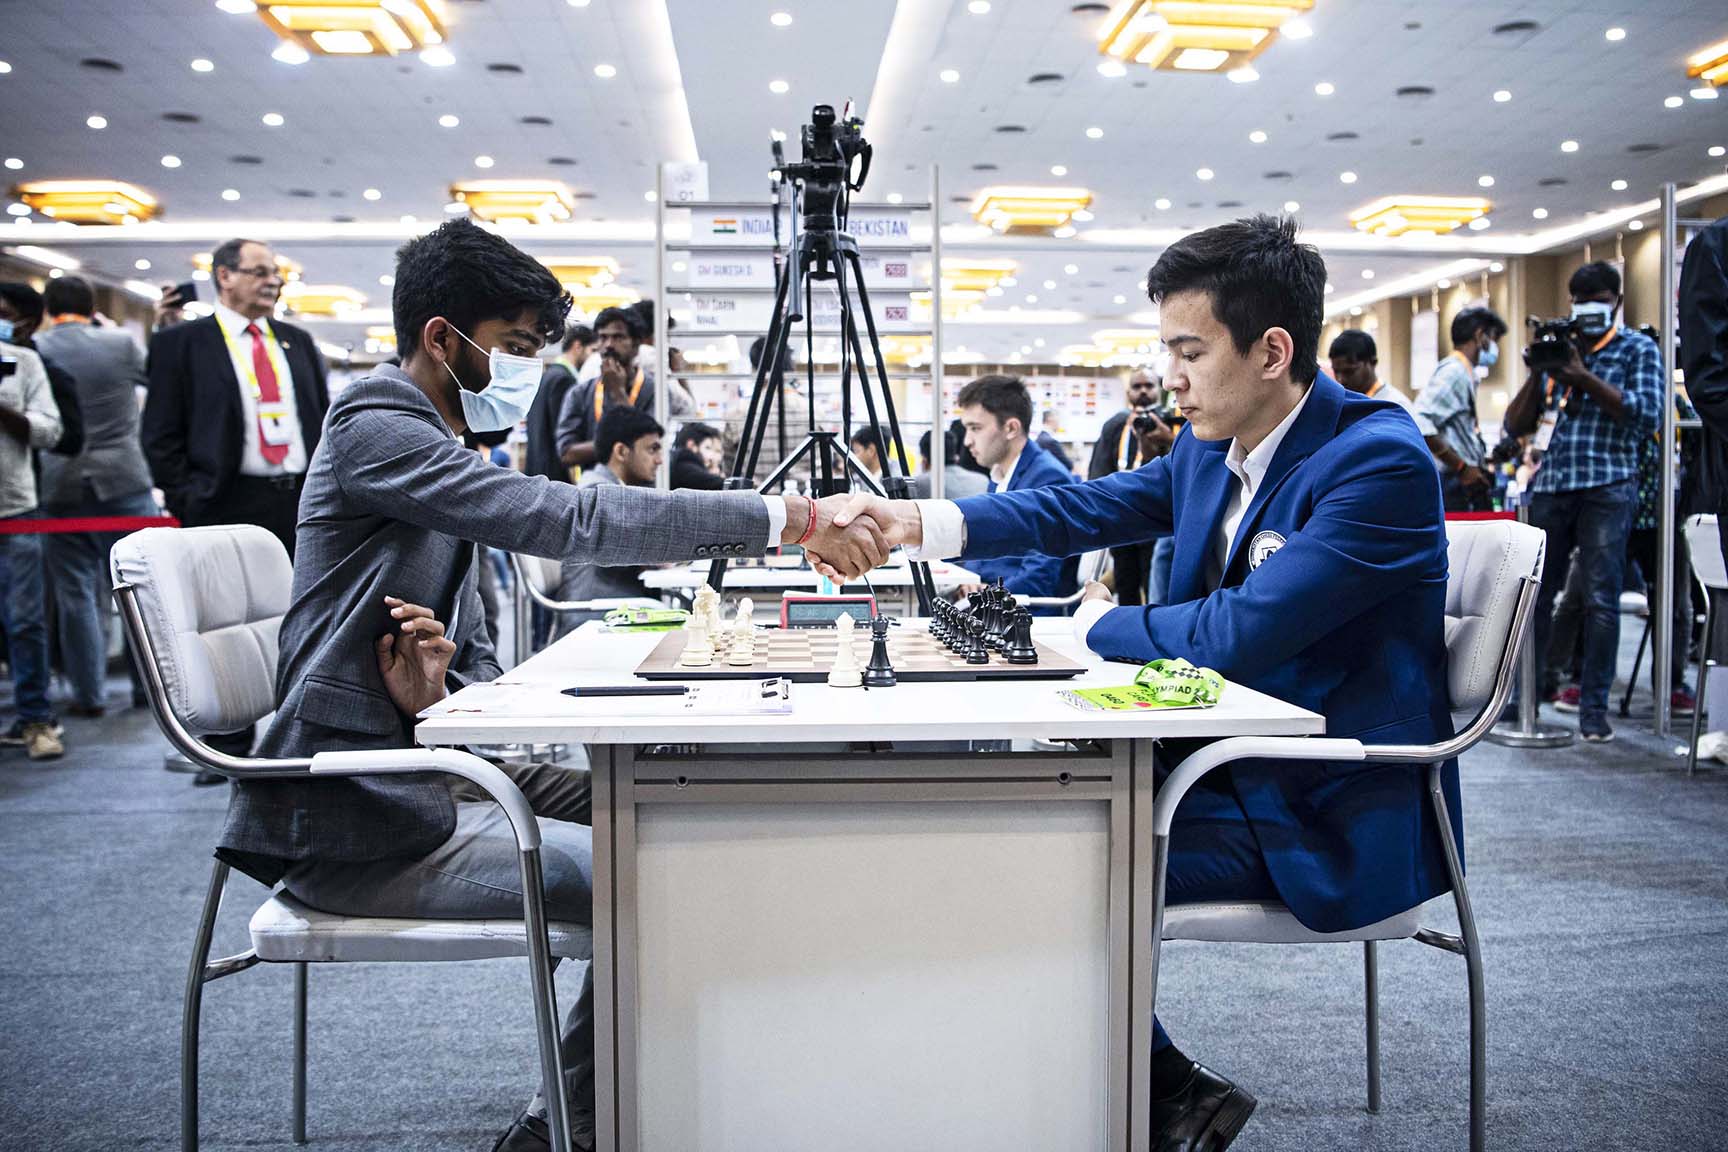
pixel 612 379
pixel 413 661
pixel 967 591
pixel 838 551
pixel 1474 479
pixel 900 520
pixel 1097 591
pixel 1157 440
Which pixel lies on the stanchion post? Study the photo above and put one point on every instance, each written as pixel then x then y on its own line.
pixel 1528 732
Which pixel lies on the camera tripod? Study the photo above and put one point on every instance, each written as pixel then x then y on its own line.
pixel 824 251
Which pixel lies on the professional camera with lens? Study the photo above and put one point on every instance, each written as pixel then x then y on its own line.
pixel 836 159
pixel 8 366
pixel 1165 410
pixel 1551 343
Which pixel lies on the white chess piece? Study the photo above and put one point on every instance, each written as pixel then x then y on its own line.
pixel 698 650
pixel 845 672
pixel 743 651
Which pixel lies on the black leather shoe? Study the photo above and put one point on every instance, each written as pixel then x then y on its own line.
pixel 530 1134
pixel 1204 1116
pixel 207 778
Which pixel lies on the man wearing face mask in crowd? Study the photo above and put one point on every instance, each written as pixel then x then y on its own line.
pixel 1446 411
pixel 384 618
pixel 1587 418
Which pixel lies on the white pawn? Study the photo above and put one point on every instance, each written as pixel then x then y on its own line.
pixel 743 651
pixel 845 672
pixel 698 650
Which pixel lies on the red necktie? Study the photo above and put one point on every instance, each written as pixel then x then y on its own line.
pixel 268 393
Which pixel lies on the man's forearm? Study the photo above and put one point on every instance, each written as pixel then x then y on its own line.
pixel 580 455
pixel 1449 460
pixel 1524 412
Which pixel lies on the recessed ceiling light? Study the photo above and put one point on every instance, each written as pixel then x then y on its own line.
pixel 649 196
pixel 1704 93
pixel 1291 206
pixel 1715 150
pixel 273 119
pixel 1031 297
pixel 1673 102
pixel 291 53
pixel 1161 204
pixel 1484 181
pixel 97 122
pixel 170 161
pixel 1636 225
pixel 605 71
pixel 448 121
pixel 781 19
pixel 950 76
pixel 237 7
pixel 1496 267
pixel 1442 284
pixel 1257 137
pixel 1615 34
pixel 1346 177
pixel 372 194
pixel 1367 273
pixel 4 67
pixel 1324 88
pixel 1095 133
pixel 203 65
pixel 1071 269
pixel 408 219
pixel 1058 170
pixel 1243 75
pixel 1502 96
pixel 200 275
pixel 455 208
pixel 895 198
pixel 1112 68
pixel 1049 285
pixel 1038 343
pixel 1118 299
pixel 1618 185
pixel 779 87
pixel 1540 213
pixel 483 161
pixel 1568 145
pixel 1480 223
pixel 1084 215
pixel 18 208
pixel 55 273
pixel 1203 173
pixel 141 265
pixel 1064 232
pixel 1356 311
pixel 14 163
pixel 979 7
pixel 230 194
pixel 437 56
pixel 577 3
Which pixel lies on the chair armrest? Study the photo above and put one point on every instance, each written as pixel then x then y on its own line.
pixel 398 761
pixel 1219 753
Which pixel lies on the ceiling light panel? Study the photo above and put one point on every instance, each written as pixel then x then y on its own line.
pixel 356 27
pixel 534 201
pixel 1195 35
pixel 1028 208
pixel 1402 215
pixel 88 201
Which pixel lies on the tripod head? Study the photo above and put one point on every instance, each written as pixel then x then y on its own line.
pixel 835 161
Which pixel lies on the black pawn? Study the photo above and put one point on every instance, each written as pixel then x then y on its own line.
pixel 976 652
pixel 879 673
pixel 1021 650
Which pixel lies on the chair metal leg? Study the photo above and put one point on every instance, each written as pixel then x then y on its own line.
pixel 300 1053
pixel 190 1009
pixel 545 1000
pixel 1472 965
pixel 1705 663
pixel 1371 987
pixel 1637 662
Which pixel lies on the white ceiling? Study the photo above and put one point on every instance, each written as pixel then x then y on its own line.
pixel 693 75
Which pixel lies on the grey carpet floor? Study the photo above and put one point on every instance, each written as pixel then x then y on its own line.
pixel 1600 876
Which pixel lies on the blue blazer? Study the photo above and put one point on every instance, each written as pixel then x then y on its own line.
pixel 1034 574
pixel 1333 599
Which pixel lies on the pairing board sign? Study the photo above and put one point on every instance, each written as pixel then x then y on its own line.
pixel 756 270
pixel 721 311
pixel 753 226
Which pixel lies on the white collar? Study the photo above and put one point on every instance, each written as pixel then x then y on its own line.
pixel 1251 466
pixel 234 323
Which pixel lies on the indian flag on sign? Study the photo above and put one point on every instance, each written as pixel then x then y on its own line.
pixel 725 226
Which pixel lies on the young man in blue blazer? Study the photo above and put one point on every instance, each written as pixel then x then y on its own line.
pixel 1310 564
pixel 996 412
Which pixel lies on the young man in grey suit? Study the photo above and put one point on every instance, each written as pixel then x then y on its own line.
pixel 385 617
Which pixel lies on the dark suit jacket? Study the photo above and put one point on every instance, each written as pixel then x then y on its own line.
pixel 192 417
pixel 1704 356
pixel 1054 447
pixel 541 458
pixel 393 506
pixel 1034 573
pixel 688 472
pixel 1333 598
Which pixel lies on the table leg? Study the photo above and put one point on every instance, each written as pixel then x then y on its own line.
pixel 605 1010
pixel 1121 939
pixel 1141 944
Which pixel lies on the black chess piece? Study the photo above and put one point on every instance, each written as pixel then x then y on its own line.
pixel 976 652
pixel 879 673
pixel 941 619
pixel 1020 649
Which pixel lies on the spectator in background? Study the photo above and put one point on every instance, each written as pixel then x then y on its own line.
pixel 556 383
pixel 1594 411
pixel 788 420
pixel 1445 411
pixel 631 441
pixel 1047 439
pixel 21 315
pixel 866 444
pixel 957 481
pixel 696 463
pixel 1704 356
pixel 1356 365
pixel 997 412
pixel 108 478
pixel 963 453
pixel 28 420
pixel 622 377
pixel 1128 440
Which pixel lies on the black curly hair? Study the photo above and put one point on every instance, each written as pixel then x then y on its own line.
pixel 467 275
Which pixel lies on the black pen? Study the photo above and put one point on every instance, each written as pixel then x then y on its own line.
pixel 632 690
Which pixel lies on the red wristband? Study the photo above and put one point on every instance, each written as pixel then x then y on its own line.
pixel 809 526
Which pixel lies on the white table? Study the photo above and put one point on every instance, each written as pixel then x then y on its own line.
pixel 805 940
pixel 891 583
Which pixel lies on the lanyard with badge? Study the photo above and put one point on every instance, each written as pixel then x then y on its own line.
pixel 1552 407
pixel 600 395
pixel 273 423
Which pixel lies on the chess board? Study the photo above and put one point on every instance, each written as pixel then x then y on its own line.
pixel 804 655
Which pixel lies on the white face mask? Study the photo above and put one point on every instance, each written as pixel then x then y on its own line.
pixel 508 394
pixel 1594 317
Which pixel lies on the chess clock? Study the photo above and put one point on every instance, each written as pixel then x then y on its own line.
pixel 809 610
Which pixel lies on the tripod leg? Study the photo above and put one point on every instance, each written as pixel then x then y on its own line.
pixel 761 393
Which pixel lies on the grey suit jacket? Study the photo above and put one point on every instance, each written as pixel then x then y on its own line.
pixel 393 505
pixel 108 369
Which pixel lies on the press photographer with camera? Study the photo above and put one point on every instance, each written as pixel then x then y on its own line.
pixel 1446 411
pixel 1142 432
pixel 1593 396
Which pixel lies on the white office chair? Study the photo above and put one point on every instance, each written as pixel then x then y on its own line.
pixel 1704 544
pixel 537 580
pixel 1495 573
pixel 202 607
pixel 1092 565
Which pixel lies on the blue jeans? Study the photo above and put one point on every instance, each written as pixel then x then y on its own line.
pixel 22 611
pixel 1595 521
pixel 78 565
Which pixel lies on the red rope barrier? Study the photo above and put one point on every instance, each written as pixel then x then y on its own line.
pixel 1481 515
pixel 61 524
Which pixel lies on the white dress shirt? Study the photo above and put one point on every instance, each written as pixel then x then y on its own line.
pixel 252 462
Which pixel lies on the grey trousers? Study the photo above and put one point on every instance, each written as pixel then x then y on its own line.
pixel 476 875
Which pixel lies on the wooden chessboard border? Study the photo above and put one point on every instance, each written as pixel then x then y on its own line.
pixel 662 662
